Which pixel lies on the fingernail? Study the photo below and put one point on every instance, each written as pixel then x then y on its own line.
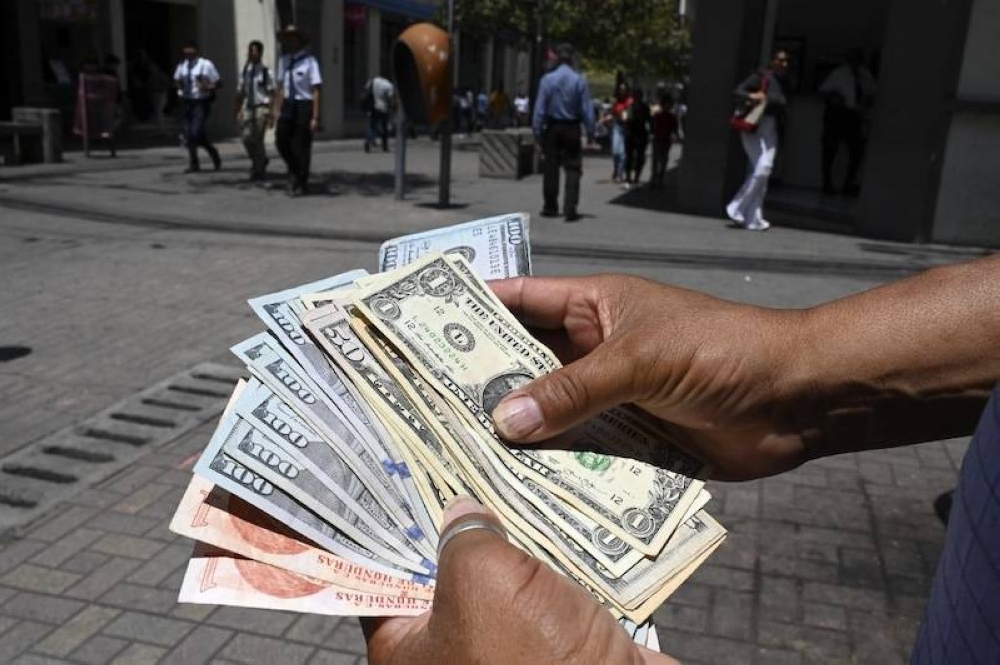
pixel 460 506
pixel 517 417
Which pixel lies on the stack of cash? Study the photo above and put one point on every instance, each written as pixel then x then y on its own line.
pixel 369 406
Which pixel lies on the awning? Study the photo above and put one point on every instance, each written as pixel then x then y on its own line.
pixel 412 8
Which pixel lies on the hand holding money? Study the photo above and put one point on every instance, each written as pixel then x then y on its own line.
pixel 370 406
pixel 495 604
pixel 666 350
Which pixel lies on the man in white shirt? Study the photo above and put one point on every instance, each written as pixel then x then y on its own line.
pixel 383 94
pixel 253 108
pixel 297 106
pixel 849 91
pixel 197 80
pixel 522 109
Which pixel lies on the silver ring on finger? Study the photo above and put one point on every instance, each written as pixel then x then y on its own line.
pixel 468 525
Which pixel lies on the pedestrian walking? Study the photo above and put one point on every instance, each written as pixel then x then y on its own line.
pixel 664 129
pixel 620 111
pixel 563 103
pixel 602 126
pixel 637 129
pixel 482 108
pixel 522 108
pixel 253 108
pixel 848 92
pixel 197 80
pixel 297 107
pixel 499 108
pixel 760 143
pixel 382 99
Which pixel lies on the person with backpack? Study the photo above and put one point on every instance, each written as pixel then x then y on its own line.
pixel 253 108
pixel 760 141
pixel 378 101
pixel 197 79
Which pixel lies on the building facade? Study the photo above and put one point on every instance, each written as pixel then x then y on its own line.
pixel 49 39
pixel 932 132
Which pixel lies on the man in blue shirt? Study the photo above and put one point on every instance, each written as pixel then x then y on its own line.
pixel 563 103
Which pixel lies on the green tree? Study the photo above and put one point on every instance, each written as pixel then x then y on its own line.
pixel 641 37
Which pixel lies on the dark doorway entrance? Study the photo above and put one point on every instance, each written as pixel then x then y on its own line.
pixel 820 39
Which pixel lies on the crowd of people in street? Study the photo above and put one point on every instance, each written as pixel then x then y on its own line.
pixel 633 126
pixel 630 121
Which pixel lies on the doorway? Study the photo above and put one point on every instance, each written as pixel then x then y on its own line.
pixel 158 29
pixel 820 38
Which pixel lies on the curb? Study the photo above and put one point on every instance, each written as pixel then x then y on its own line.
pixel 695 257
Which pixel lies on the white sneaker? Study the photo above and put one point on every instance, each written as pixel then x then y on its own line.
pixel 733 212
pixel 759 225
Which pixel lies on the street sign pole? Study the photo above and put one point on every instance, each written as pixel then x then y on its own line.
pixel 400 153
pixel 444 175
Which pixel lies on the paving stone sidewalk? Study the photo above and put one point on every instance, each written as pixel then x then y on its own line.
pixel 97 583
pixel 826 564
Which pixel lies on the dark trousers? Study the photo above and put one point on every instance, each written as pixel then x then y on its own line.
pixel 293 138
pixel 842 125
pixel 194 114
pixel 635 155
pixel 378 125
pixel 661 156
pixel 561 149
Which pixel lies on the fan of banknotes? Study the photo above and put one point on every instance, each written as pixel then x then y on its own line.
pixel 368 407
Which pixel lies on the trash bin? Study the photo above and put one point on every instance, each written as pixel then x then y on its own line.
pixel 49 121
pixel 506 153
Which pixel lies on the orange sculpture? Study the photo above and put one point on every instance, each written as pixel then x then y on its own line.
pixel 421 61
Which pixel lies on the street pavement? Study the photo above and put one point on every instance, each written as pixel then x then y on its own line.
pixel 118 274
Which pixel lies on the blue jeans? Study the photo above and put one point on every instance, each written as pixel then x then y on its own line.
pixel 618 149
pixel 378 125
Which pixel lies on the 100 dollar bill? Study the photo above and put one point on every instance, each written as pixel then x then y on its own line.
pixel 496 247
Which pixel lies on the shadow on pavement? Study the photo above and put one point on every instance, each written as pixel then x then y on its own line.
pixel 660 198
pixel 322 183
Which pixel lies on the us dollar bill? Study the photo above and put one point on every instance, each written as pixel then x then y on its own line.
pixel 456 336
pixel 496 247
pixel 276 311
pixel 293 444
pixel 331 328
pixel 438 414
pixel 463 458
pixel 386 475
pixel 270 414
pixel 223 471
pixel 349 510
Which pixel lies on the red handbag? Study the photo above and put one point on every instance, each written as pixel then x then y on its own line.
pixel 747 116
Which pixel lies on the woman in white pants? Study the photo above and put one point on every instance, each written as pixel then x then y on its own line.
pixel 746 208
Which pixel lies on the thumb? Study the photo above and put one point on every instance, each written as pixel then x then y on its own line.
pixel 470 535
pixel 554 403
